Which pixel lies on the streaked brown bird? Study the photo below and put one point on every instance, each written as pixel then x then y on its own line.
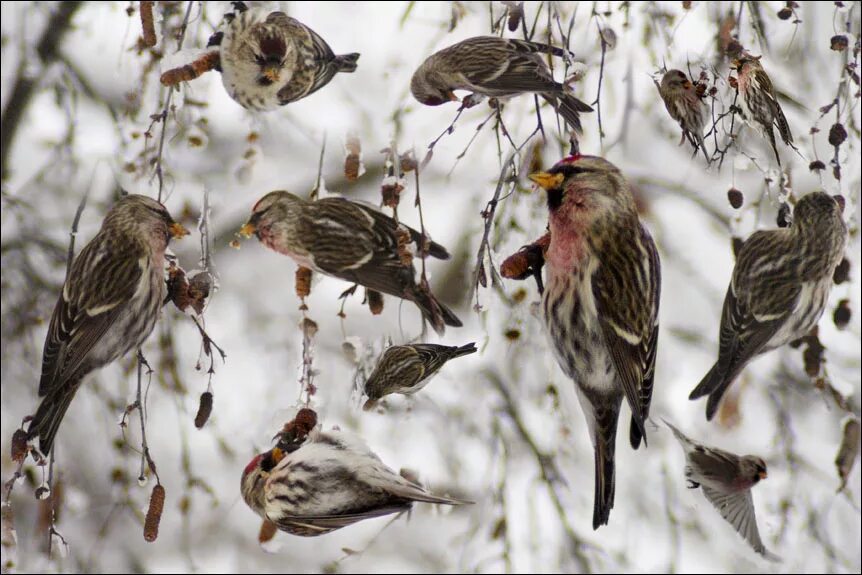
pixel 760 107
pixel 496 68
pixel 347 240
pixel 109 305
pixel 726 480
pixel 329 481
pixel 685 106
pixel 408 368
pixel 269 59
pixel 778 290
pixel 601 303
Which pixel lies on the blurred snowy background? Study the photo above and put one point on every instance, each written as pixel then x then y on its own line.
pixel 501 427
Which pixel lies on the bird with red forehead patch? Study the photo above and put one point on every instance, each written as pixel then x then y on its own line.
pixel 726 480
pixel 349 240
pixel 600 304
pixel 329 481
pixel 759 102
pixel 268 59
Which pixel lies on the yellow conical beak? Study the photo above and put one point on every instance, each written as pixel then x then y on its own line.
pixel 547 181
pixel 177 230
pixel 762 475
pixel 247 230
pixel 271 72
pixel 277 454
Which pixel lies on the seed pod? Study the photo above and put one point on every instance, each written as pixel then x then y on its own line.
pixel 837 134
pixel 375 301
pixel 303 282
pixel 205 408
pixel 783 220
pixel 816 166
pixel 207 62
pixel 19 445
pixel 839 43
pixel 842 272
pixel 154 513
pixel 404 240
pixel 848 451
pixel 516 15
pixel 178 287
pixel 268 529
pixel 352 161
pixel 199 289
pixel 812 355
pixel 785 13
pixel 516 266
pixel 735 198
pixel 841 315
pixel 391 192
pixel 147 26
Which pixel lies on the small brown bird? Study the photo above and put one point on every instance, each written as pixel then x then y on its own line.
pixel 348 240
pixel 269 59
pixel 408 368
pixel 329 481
pixel 497 68
pixel 685 106
pixel 778 290
pixel 760 107
pixel 109 305
pixel 726 480
pixel 600 304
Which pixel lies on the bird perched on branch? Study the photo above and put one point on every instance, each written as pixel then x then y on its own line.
pixel 684 105
pixel 497 68
pixel 329 481
pixel 408 368
pixel 778 290
pixel 600 304
pixel 351 241
pixel 759 104
pixel 726 480
pixel 269 59
pixel 109 305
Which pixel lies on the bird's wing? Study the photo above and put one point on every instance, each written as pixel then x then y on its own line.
pixel 737 508
pixel 103 279
pixel 626 289
pixel 768 91
pixel 313 525
pixel 762 295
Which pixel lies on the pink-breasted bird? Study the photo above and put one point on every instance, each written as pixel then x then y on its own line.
pixel 601 303
pixel 109 305
pixel 726 480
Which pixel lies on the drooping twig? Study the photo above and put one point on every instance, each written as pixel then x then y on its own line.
pixel 25 82
pixel 163 116
pixel 547 464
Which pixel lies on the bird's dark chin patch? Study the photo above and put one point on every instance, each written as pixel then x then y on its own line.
pixel 434 101
pixel 555 199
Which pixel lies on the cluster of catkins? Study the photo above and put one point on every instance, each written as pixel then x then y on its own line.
pixel 600 302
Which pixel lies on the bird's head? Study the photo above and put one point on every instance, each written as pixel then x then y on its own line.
pixel 254 478
pixel 270 56
pixel 817 210
pixel 149 217
pixel 753 469
pixel 272 210
pixel 429 86
pixel 675 80
pixel 583 189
